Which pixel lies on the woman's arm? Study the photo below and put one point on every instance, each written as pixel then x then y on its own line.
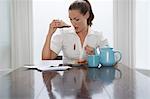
pixel 47 53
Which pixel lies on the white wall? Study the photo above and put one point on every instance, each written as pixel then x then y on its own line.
pixel 15 33
pixel 132 32
pixel 143 34
pixel 124 30
pixel 21 33
pixel 4 34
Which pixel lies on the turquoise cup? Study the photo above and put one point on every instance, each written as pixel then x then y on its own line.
pixel 93 60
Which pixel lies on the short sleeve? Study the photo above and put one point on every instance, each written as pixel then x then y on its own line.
pixel 56 43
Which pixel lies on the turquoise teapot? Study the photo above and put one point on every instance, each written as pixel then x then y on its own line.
pixel 109 57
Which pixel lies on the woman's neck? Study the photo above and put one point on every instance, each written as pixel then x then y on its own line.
pixel 83 33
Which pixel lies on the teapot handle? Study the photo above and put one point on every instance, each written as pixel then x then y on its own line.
pixel 119 73
pixel 120 56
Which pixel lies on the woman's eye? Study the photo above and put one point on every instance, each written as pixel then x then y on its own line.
pixel 77 19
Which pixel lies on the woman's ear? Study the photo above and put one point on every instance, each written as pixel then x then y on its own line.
pixel 87 15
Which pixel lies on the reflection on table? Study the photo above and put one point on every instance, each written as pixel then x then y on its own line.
pixel 79 83
pixel 119 82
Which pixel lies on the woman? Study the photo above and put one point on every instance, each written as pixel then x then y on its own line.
pixel 75 43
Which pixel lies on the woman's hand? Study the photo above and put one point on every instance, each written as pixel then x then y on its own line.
pixel 57 24
pixel 81 61
pixel 89 50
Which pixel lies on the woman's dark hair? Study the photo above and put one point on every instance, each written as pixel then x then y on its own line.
pixel 83 6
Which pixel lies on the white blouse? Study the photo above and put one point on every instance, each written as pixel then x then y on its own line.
pixel 69 42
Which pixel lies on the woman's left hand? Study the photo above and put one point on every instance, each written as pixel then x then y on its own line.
pixel 89 50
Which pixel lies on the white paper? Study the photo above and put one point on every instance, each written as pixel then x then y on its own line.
pixel 31 67
pixel 46 68
pixel 54 68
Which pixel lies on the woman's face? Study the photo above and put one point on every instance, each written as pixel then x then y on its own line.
pixel 78 20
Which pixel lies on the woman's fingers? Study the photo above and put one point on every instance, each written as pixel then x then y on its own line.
pixel 89 50
pixel 59 24
pixel 55 24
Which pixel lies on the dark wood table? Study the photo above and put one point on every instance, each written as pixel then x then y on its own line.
pixel 120 82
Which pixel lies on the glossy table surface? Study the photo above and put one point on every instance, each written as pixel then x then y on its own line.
pixel 120 82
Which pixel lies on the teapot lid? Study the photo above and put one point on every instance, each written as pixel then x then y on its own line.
pixel 106 47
